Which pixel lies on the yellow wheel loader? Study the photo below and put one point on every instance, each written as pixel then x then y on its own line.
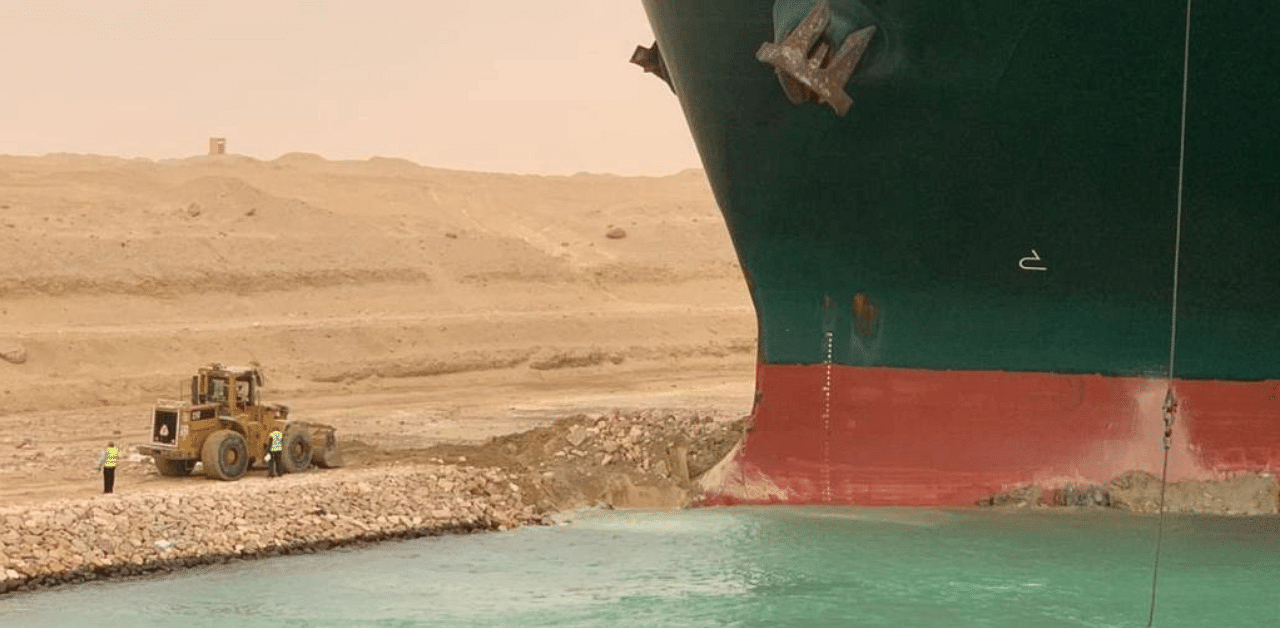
pixel 226 428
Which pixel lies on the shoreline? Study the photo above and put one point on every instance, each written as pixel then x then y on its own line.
pixel 641 459
pixel 637 459
pixel 70 541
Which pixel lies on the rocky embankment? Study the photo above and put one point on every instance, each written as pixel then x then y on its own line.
pixel 645 459
pixel 66 541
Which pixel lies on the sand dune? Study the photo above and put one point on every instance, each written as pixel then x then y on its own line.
pixel 120 276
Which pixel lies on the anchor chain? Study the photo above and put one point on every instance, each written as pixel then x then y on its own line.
pixel 1170 415
pixel 1171 398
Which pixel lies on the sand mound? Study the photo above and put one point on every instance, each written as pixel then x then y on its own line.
pixel 645 459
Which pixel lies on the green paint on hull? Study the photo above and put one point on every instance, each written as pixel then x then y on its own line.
pixel 979 132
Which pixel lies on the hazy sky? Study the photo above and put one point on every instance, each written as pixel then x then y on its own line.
pixel 502 85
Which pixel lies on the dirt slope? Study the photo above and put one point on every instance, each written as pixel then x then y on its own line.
pixel 379 287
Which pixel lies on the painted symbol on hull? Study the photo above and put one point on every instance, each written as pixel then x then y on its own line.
pixel 1032 263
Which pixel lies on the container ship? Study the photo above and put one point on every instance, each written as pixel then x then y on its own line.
pixel 991 243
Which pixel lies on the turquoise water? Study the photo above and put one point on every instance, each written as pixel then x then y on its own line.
pixel 729 567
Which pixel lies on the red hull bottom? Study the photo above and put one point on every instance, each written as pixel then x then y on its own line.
pixel 891 436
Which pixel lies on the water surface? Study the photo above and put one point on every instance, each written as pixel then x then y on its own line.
pixel 741 567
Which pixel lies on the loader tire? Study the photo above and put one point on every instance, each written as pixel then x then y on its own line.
pixel 297 451
pixel 174 468
pixel 225 456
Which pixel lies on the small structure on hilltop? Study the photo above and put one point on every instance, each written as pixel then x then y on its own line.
pixel 217 146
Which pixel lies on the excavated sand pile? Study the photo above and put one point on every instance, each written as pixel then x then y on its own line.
pixel 645 459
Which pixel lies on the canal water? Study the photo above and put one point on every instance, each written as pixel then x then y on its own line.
pixel 747 567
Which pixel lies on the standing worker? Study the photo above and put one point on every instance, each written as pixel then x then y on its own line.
pixel 275 465
pixel 107 464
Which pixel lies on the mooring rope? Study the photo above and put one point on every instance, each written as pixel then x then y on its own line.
pixel 1171 398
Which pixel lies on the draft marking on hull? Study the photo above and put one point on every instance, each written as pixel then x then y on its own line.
pixel 1029 263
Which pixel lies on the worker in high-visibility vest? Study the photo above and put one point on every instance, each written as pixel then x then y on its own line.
pixel 107 464
pixel 274 465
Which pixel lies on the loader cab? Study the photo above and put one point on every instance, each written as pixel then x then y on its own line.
pixel 244 393
pixel 235 389
pixel 215 391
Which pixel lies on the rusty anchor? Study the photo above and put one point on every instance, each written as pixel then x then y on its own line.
pixel 650 59
pixel 805 71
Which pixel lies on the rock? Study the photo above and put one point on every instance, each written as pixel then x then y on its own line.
pixel 1135 490
pixel 616 233
pixel 1087 496
pixel 13 353
pixel 1019 497
pixel 681 457
pixel 576 436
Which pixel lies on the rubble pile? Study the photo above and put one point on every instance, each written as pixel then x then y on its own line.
pixel 646 459
pixel 201 522
pixel 1139 491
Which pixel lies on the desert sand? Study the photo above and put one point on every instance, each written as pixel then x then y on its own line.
pixel 404 305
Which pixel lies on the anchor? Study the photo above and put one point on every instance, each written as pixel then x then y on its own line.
pixel 650 59
pixel 804 75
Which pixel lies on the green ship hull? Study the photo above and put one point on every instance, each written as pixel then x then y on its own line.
pixel 974 265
